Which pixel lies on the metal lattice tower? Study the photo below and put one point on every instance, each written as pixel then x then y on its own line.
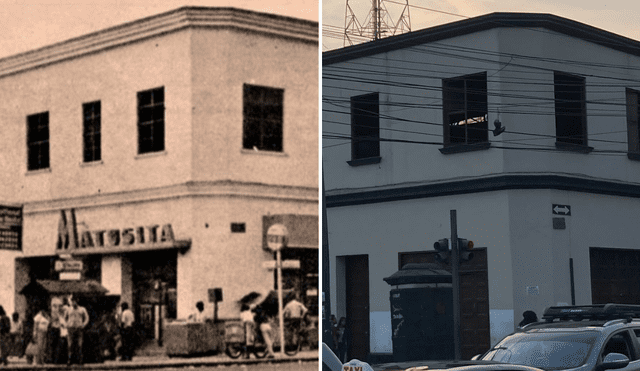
pixel 377 25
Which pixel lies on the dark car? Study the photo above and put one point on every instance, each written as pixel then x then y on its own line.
pixel 580 338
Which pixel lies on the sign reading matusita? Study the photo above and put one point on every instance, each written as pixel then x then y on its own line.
pixel 71 240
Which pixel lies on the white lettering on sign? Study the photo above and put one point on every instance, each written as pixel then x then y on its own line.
pixel 68 235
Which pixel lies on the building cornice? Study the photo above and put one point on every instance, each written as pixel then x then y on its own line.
pixel 187 17
pixel 482 23
pixel 483 184
pixel 224 189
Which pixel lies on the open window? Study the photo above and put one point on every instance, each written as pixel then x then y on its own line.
pixel 465 113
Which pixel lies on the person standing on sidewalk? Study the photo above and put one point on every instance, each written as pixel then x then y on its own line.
pixel 126 332
pixel 40 327
pixel 17 336
pixel 5 328
pixel 76 319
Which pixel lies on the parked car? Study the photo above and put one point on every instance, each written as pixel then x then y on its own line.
pixel 579 338
pixel 330 361
pixel 483 367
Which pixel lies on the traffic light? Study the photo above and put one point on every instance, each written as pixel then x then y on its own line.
pixel 442 247
pixel 464 246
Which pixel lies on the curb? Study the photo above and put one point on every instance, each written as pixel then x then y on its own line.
pixel 165 363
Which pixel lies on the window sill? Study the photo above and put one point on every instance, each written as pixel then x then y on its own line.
pixel 633 156
pixel 578 148
pixel 365 161
pixel 150 154
pixel 460 148
pixel 91 163
pixel 38 171
pixel 245 151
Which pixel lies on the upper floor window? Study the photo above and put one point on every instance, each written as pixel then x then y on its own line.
pixel 464 109
pixel 91 132
pixel 262 118
pixel 365 127
pixel 571 115
pixel 38 141
pixel 633 111
pixel 151 120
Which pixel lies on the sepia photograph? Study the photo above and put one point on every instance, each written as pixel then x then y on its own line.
pixel 159 197
pixel 480 185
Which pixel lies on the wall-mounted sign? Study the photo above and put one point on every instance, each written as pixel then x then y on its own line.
pixel 10 228
pixel 74 241
pixel 68 265
pixel 561 209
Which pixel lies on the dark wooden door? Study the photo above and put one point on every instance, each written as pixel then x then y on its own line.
pixel 474 298
pixel 615 276
pixel 357 292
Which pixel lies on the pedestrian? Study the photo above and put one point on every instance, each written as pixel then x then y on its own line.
pixel 263 322
pixel 529 317
pixel 198 315
pixel 76 319
pixel 344 337
pixel 57 337
pixel 16 334
pixel 126 332
pixel 5 328
pixel 334 333
pixel 40 327
pixel 294 312
pixel 248 324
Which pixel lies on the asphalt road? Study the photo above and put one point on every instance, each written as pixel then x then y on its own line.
pixel 288 366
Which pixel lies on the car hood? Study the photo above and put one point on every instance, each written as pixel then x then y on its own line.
pixel 442 364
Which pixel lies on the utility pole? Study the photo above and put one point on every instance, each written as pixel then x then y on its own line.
pixel 455 279
pixel 327 334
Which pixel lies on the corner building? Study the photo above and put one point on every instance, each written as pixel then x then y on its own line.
pixel 157 153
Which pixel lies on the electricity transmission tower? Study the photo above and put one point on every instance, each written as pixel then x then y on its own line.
pixel 378 23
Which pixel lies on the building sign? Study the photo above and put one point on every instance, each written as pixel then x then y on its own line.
pixel 561 209
pixel 68 265
pixel 74 241
pixel 10 228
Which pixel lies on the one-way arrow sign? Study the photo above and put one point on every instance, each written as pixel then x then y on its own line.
pixel 561 209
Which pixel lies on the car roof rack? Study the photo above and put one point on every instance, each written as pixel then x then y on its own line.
pixel 605 312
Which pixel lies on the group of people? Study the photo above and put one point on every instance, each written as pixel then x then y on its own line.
pixel 252 317
pixel 11 342
pixel 59 332
pixel 341 335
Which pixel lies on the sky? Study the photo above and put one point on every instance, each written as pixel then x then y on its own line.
pixel 30 24
pixel 618 16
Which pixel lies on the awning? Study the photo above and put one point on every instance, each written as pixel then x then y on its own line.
pixel 303 229
pixel 419 273
pixel 53 287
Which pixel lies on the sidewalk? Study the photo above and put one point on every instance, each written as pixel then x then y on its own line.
pixel 163 361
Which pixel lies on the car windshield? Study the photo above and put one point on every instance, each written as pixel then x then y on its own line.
pixel 549 351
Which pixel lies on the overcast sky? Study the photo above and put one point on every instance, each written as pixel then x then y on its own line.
pixel 618 16
pixel 29 24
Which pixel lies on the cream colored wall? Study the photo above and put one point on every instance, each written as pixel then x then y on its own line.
pixel 223 61
pixel 114 77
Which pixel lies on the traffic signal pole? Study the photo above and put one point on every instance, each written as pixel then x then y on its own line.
pixel 455 279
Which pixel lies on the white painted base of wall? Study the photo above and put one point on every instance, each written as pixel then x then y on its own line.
pixel 501 324
pixel 380 338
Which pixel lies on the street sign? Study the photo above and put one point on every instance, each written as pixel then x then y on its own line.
pixel 286 264
pixel 277 236
pixel 561 209
pixel 68 265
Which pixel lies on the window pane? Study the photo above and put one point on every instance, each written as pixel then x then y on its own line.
pixel 263 117
pixel 151 120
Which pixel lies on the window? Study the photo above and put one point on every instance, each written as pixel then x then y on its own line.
pixel 151 121
pixel 365 127
pixel 38 141
pixel 91 131
pixel 571 118
pixel 465 112
pixel 633 109
pixel 262 123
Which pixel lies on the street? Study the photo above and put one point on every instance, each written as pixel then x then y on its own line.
pixel 288 366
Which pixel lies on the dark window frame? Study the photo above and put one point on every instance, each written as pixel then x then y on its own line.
pixel 151 120
pixel 570 97
pixel 91 131
pixel 262 118
pixel 633 130
pixel 365 129
pixel 38 141
pixel 464 100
